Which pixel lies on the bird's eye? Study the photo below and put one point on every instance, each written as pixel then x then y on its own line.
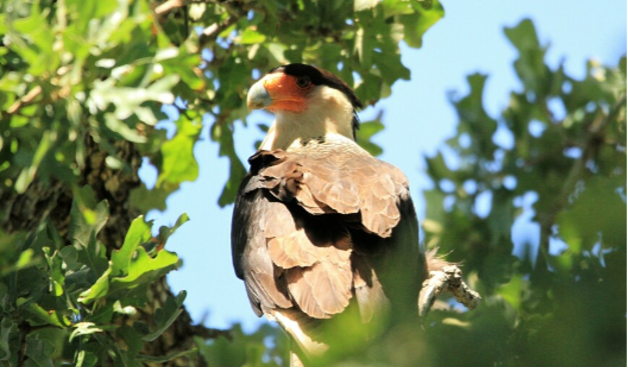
pixel 303 82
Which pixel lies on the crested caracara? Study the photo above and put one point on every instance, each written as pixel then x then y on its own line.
pixel 320 227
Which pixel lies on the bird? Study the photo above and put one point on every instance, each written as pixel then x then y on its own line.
pixel 321 228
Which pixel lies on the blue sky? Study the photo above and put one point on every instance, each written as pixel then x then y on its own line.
pixel 418 119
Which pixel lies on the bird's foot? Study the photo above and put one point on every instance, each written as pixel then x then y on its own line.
pixel 447 280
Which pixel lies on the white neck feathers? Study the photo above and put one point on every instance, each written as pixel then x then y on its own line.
pixel 328 113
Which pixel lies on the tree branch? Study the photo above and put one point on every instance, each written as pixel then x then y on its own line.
pixel 168 6
pixel 447 280
pixel 211 33
pixel 21 357
pixel 26 100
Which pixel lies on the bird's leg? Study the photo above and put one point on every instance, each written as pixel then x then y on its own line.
pixel 295 360
pixel 447 280
pixel 301 330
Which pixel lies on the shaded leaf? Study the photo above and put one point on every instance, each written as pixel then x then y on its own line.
pixel 530 65
pixel 224 136
pixel 523 36
pixel 167 315
pixel 166 358
pixel 38 352
pixel 133 340
pixel 6 326
pixel 145 199
pixel 87 217
pixel 366 132
pixel 598 214
pixel 623 66
pixel 429 12
pixel 165 231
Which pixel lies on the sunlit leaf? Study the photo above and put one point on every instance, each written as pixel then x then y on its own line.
pixel 179 164
pixel 40 316
pixel 511 292
pixel 84 328
pixel 360 5
pixel 28 174
pixel 128 310
pixel 120 127
pixel 138 233
pixel 98 290
pixel 396 7
pixel 250 37
pixel 144 269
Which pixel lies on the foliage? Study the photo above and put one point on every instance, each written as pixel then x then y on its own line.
pixel 53 292
pixel 267 346
pixel 102 69
pixel 565 148
pixel 82 86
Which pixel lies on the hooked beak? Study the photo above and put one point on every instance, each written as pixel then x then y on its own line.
pixel 258 97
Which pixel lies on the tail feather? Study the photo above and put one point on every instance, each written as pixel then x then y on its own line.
pixel 434 262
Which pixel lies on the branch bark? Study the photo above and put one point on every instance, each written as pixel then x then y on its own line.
pixel 26 100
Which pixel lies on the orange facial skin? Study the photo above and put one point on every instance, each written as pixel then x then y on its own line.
pixel 285 92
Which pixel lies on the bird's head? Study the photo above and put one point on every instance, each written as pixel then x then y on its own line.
pixel 308 102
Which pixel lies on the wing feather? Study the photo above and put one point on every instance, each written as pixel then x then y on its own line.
pixel 323 289
pixel 265 284
pixel 368 290
pixel 308 231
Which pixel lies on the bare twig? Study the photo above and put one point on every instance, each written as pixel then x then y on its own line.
pixel 27 99
pixel 168 6
pixel 22 352
pixel 447 280
pixel 211 33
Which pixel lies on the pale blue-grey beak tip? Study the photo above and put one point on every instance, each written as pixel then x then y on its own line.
pixel 258 97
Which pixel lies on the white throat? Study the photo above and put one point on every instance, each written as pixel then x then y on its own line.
pixel 329 113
